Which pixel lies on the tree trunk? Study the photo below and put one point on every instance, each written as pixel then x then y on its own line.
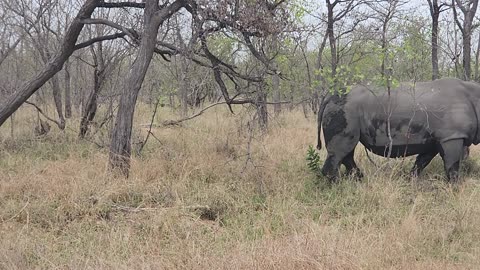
pixel 53 66
pixel 68 98
pixel 277 108
pixel 331 38
pixel 12 126
pixel 262 110
pixel 468 9
pixel 91 105
pixel 57 97
pixel 435 15
pixel 318 78
pixel 184 86
pixel 435 10
pixel 467 50
pixel 477 59
pixel 90 108
pixel 120 147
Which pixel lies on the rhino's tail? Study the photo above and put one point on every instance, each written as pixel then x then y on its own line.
pixel 321 109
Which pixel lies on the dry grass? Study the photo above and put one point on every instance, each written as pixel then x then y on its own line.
pixel 196 201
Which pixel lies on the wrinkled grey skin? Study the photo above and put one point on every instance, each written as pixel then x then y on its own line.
pixel 425 119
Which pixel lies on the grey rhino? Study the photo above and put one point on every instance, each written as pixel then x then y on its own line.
pixel 423 118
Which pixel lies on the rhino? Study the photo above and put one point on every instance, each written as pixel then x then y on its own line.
pixel 422 118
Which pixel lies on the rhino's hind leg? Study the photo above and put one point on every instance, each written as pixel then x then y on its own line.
pixel 452 154
pixel 351 166
pixel 421 162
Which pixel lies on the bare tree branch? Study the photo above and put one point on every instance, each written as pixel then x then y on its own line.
pixel 45 115
pixel 104 4
pixel 98 39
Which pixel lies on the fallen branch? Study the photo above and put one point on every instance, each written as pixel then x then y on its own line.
pixel 145 209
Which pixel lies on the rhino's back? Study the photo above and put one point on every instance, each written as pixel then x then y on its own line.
pixel 418 114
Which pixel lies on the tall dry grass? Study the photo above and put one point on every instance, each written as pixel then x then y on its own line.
pixel 210 194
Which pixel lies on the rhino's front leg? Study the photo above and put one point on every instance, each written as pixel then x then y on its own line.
pixel 452 154
pixel 330 167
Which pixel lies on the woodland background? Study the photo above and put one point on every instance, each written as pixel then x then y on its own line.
pixel 209 108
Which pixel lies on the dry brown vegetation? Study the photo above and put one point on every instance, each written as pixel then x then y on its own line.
pixel 195 200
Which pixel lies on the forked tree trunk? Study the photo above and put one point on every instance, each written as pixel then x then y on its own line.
pixel 120 147
pixel 91 105
pixel 90 108
pixel 468 8
pixel 53 66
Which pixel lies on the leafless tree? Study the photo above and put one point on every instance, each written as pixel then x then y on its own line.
pixel 435 10
pixel 468 9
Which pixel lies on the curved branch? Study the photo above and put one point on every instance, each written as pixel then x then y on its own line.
pixel 98 39
pixel 46 116
pixel 104 4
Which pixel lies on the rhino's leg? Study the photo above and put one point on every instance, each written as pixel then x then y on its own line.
pixel 351 166
pixel 330 167
pixel 339 147
pixel 421 162
pixel 452 154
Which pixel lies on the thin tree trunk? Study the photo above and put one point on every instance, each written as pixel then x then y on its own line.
pixel 262 110
pixel 57 97
pixel 318 77
pixel 12 126
pixel 277 108
pixel 435 11
pixel 435 73
pixel 467 50
pixel 477 56
pixel 184 86
pixel 53 66
pixel 331 39
pixel 68 96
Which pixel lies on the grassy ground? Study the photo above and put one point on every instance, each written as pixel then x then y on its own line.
pixel 197 200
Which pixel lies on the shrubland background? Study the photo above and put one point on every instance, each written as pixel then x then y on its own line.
pixel 223 190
